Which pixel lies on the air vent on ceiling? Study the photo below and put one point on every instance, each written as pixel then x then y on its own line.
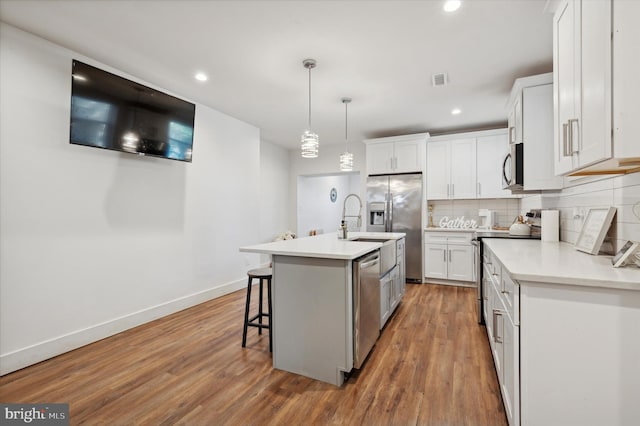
pixel 439 79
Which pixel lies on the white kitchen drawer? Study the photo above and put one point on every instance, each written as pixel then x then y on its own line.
pixel 496 269
pixel 448 237
pixel 510 295
pixel 460 238
pixel 435 237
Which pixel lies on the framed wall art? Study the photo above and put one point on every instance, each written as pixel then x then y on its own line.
pixel 594 229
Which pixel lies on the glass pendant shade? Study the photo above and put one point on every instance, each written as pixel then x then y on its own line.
pixel 309 141
pixel 346 161
pixel 309 144
pixel 346 158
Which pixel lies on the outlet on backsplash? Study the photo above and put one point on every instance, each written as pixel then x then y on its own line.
pixel 578 214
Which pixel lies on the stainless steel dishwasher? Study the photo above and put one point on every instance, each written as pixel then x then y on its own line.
pixel 366 309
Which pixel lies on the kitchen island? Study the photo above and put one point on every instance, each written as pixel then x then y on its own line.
pixel 313 302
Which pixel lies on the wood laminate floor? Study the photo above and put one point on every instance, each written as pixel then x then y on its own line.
pixel 431 366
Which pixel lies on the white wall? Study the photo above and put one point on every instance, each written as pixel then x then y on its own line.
pixel 93 242
pixel 621 192
pixel 316 211
pixel 327 163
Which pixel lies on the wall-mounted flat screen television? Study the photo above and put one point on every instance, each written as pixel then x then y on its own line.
pixel 111 112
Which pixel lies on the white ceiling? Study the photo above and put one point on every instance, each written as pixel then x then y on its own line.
pixel 380 53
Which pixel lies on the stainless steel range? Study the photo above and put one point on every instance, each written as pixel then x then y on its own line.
pixel 533 217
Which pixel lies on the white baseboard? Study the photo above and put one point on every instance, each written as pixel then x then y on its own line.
pixel 30 355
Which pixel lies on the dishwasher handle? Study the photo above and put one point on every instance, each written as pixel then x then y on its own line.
pixel 370 262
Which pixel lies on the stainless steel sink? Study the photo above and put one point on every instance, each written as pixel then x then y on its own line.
pixel 371 240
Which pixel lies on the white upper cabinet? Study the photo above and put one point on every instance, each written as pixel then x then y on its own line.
pixel 531 106
pixel 490 152
pixel 466 165
pixel 451 169
pixel 596 66
pixel 398 154
pixel 463 168
pixel 438 170
pixel 515 121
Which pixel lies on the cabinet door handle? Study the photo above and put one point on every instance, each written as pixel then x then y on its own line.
pixel 572 150
pixel 444 256
pixel 479 189
pixel 453 190
pixel 565 140
pixel 496 338
pixel 447 190
pixel 449 256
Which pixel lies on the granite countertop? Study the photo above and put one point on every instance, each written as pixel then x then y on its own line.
pixel 326 246
pixel 560 263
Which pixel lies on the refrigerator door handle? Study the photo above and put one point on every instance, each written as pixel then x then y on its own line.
pixel 386 211
pixel 390 221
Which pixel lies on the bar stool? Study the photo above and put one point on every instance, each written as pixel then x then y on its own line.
pixel 263 274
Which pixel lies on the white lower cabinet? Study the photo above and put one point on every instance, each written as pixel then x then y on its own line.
pixel 510 385
pixel 392 285
pixel 449 256
pixel 385 305
pixel 391 292
pixel 435 261
pixel 500 293
pixel 402 271
pixel 564 354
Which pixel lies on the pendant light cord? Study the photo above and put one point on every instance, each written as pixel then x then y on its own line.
pixel 309 68
pixel 346 125
pixel 346 102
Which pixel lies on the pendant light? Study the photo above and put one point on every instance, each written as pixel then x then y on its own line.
pixel 346 158
pixel 309 140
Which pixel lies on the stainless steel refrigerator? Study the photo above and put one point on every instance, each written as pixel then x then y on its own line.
pixel 394 204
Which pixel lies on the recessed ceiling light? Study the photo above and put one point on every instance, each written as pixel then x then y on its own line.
pixel 79 77
pixel 456 111
pixel 451 5
pixel 201 76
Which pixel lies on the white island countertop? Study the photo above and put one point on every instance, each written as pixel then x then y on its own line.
pixel 326 246
pixel 561 263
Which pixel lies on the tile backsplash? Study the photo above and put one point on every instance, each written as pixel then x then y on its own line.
pixel 506 209
pixel 574 202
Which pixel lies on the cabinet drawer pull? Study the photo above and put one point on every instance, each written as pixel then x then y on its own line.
pixel 496 338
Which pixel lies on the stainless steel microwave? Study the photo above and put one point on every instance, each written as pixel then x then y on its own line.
pixel 512 173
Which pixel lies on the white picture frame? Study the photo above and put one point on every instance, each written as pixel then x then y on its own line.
pixel 625 254
pixel 594 228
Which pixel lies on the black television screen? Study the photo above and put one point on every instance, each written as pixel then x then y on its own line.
pixel 111 112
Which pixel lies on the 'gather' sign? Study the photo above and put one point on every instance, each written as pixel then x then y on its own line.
pixel 458 222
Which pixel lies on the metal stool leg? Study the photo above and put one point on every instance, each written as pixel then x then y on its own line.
pixel 270 315
pixel 260 313
pixel 246 314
